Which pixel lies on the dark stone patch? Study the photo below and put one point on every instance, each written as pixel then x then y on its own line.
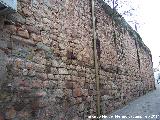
pixel 71 55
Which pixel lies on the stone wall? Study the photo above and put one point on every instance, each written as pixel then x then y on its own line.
pixel 47 64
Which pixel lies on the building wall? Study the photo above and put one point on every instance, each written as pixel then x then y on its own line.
pixel 47 65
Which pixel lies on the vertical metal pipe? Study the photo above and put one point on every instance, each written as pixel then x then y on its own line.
pixel 95 60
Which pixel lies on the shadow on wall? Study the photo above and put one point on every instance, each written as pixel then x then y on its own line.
pixel 3 70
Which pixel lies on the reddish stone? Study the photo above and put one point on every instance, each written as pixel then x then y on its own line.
pixel 23 83
pixel 1 116
pixel 41 94
pixel 77 92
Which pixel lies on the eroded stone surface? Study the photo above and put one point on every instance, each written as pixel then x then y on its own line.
pixel 47 64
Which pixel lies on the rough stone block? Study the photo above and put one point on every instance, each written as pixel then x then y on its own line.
pixel 63 71
pixel 23 33
pixel 77 92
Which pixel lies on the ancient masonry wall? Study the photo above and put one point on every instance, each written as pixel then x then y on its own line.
pixel 47 64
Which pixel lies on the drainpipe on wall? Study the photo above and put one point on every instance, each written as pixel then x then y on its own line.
pixel 95 60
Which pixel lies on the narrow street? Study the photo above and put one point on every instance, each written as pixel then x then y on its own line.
pixel 146 107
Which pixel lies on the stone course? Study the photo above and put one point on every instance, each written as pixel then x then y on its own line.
pixel 47 64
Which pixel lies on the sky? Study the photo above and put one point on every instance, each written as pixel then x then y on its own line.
pixel 150 30
pixel 147 14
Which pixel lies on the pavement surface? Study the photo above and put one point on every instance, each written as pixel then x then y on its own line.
pixel 146 107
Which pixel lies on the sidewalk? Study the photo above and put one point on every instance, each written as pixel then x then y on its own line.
pixel 146 107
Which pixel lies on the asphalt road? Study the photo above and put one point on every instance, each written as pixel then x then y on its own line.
pixel 146 107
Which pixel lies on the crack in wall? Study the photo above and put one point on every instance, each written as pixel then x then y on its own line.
pixel 138 57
